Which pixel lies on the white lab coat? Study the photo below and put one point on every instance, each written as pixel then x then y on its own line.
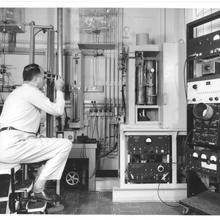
pixel 22 110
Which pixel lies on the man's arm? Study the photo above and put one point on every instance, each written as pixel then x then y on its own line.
pixel 42 102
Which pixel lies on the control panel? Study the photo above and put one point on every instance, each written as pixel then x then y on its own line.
pixel 203 103
pixel 205 161
pixel 207 91
pixel 206 46
pixel 206 125
pixel 149 159
pixel 203 49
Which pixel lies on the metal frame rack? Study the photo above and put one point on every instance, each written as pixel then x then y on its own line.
pixel 203 175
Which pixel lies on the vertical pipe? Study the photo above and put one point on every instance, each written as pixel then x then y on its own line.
pixel 110 97
pixel 106 88
pixel 60 41
pixel 60 57
pixel 114 110
pixel 110 82
pixel 113 81
pixel 32 43
pixel 118 54
pixel 50 83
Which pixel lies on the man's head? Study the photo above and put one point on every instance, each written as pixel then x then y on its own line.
pixel 34 74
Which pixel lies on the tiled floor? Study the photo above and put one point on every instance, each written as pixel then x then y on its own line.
pixel 95 203
pixel 82 202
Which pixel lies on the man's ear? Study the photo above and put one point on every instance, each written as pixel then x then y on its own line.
pixel 35 78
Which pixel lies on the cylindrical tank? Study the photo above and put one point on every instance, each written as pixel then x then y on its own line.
pixel 142 39
pixel 151 81
pixel 140 80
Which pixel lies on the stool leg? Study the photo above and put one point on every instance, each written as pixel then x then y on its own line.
pixel 12 191
pixel 58 187
pixel 24 169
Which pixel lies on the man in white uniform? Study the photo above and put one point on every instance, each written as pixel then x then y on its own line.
pixel 19 123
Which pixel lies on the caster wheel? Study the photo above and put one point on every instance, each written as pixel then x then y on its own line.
pixel 72 178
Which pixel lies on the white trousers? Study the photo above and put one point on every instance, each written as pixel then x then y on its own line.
pixel 20 147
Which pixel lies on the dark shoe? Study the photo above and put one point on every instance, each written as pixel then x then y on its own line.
pixel 43 196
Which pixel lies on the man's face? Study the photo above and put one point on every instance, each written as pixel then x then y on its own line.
pixel 40 80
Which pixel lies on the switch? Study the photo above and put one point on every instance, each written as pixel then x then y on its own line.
pixel 195 86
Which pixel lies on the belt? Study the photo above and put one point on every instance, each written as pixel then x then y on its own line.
pixel 12 128
pixel 7 128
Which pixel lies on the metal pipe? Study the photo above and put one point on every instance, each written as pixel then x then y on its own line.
pixel 33 27
pixel 60 41
pixel 106 89
pixel 110 80
pixel 50 82
pixel 50 51
pixel 114 77
pixel 110 98
pixel 43 26
pixel 118 55
pixel 60 57
pixel 32 43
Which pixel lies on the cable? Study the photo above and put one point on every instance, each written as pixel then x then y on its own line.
pixel 184 78
pixel 106 154
pixel 97 126
pixel 174 206
pixel 187 137
pixel 185 73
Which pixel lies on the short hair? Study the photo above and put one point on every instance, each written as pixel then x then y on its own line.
pixel 30 71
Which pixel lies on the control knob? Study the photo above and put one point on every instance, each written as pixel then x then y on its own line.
pixel 195 86
pixel 207 67
pixel 160 168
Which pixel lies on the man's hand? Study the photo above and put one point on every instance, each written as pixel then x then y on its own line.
pixel 59 84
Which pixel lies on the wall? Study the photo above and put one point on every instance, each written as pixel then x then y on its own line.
pixel 143 20
pixel 163 25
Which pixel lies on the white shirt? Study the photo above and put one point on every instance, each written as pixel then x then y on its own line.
pixel 22 108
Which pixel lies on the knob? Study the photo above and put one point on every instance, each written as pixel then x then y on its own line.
pixel 216 98
pixel 193 99
pixel 207 67
pixel 210 99
pixel 148 140
pixel 160 168
pixel 195 86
